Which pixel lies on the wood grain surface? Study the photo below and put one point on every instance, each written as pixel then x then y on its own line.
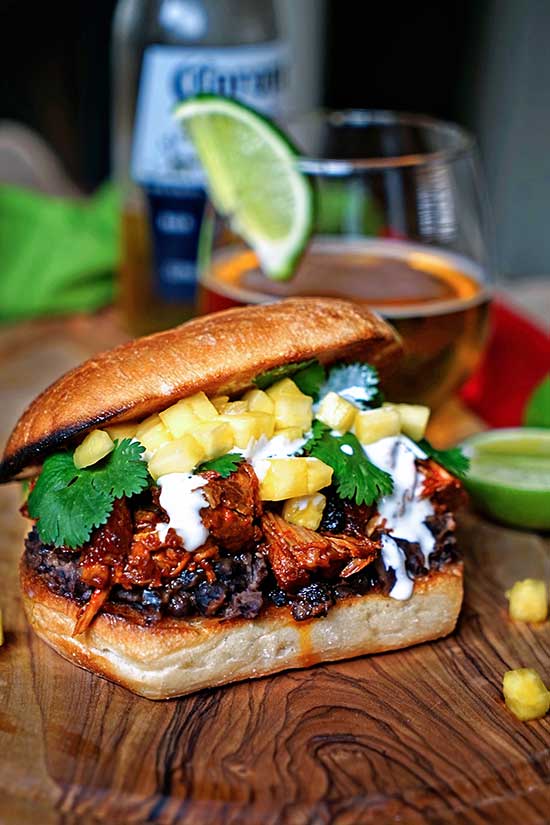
pixel 417 736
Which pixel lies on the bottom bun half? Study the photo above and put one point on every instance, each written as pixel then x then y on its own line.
pixel 178 656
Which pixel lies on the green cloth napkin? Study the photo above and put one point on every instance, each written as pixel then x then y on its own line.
pixel 56 255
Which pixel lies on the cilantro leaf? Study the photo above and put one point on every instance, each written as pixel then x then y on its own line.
pixel 66 503
pixel 123 473
pixel 454 460
pixel 310 379
pixel 69 502
pixel 266 379
pixel 355 382
pixel 318 430
pixel 355 476
pixel 224 465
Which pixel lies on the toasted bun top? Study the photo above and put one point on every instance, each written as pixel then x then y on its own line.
pixel 218 353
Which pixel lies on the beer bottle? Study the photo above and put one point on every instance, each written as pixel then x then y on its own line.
pixel 163 52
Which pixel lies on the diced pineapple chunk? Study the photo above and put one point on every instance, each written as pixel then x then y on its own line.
pixel 525 694
pixel 291 407
pixel 219 401
pixel 372 425
pixel 528 601
pixel 95 446
pixel 179 419
pixel 292 433
pixel 201 406
pixel 152 433
pixel 234 408
pixel 249 425
pixel 283 388
pixel 120 431
pixel 319 474
pixel 285 478
pixel 183 416
pixel 336 412
pixel 413 418
pixel 265 423
pixel 179 456
pixel 306 511
pixel 293 411
pixel 259 401
pixel 293 477
pixel 215 437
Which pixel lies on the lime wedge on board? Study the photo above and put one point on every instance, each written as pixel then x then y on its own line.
pixel 509 475
pixel 253 178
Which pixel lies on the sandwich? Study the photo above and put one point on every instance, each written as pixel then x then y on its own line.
pixel 235 497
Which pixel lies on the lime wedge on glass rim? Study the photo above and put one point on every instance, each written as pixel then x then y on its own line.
pixel 253 178
pixel 509 475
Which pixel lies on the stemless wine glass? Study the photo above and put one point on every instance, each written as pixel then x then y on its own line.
pixel 400 225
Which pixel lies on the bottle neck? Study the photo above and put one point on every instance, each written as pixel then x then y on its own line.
pixel 196 22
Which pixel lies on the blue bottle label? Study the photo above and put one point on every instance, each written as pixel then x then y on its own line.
pixel 175 219
pixel 163 159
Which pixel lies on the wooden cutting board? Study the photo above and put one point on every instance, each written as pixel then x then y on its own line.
pixel 416 736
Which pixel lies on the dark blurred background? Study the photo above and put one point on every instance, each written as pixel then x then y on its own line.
pixel 62 86
pixel 54 59
pixel 483 63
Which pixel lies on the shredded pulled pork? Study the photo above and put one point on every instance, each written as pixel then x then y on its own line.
pixel 444 490
pixel 87 613
pixel 129 552
pixel 102 558
pixel 235 508
pixel 344 516
pixel 295 552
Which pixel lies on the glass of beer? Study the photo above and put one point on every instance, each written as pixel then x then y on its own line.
pixel 400 225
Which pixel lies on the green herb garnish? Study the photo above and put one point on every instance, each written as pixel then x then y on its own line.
pixel 311 379
pixel 68 503
pixel 454 460
pixel 358 383
pixel 318 430
pixel 355 476
pixel 224 465
pixel 266 379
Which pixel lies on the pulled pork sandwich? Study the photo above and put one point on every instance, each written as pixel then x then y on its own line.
pixel 232 498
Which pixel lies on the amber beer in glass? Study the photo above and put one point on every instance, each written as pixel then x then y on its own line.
pixel 400 226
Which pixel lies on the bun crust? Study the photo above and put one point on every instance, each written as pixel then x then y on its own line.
pixel 217 353
pixel 177 657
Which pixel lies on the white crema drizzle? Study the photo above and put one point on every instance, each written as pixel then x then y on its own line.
pixel 393 557
pixel 257 452
pixel 405 511
pixel 182 498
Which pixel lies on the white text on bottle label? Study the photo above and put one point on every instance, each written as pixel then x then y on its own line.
pixel 162 155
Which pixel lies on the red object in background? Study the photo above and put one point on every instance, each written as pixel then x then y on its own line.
pixel 516 360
